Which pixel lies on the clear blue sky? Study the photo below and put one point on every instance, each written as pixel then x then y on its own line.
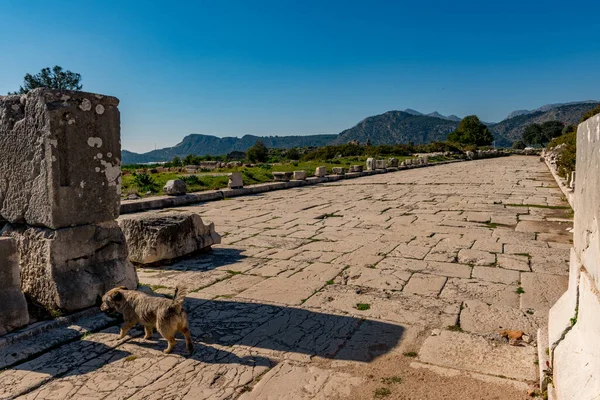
pixel 230 68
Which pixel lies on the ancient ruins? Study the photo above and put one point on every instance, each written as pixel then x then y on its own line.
pixel 60 193
pixel 462 279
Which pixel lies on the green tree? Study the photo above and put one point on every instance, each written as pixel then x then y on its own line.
pixel 176 161
pixel 552 129
pixel 471 131
pixel 54 78
pixel 189 159
pixel 292 154
pixel 542 133
pixel 533 134
pixel 258 152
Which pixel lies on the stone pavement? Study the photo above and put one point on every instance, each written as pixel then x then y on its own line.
pixel 389 286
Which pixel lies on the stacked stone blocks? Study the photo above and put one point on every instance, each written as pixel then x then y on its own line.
pixel 60 193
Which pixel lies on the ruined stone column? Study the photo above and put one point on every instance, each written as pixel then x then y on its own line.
pixel 573 334
pixel 60 192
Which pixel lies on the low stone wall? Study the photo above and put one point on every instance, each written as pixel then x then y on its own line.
pixel 573 333
pixel 131 206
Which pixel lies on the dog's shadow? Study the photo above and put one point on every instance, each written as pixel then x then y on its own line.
pixel 228 332
pixel 273 331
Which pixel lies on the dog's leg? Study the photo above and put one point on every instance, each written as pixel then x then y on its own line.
pixel 188 339
pixel 148 332
pixel 127 325
pixel 171 340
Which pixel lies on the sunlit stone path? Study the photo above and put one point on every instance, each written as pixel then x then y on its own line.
pixel 395 285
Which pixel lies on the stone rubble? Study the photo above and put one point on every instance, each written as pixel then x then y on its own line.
pixel 175 187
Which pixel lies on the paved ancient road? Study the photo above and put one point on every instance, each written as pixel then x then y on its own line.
pixel 392 286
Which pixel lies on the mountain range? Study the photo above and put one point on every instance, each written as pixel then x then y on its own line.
pixel 388 128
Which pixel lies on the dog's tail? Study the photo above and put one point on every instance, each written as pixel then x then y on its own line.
pixel 179 297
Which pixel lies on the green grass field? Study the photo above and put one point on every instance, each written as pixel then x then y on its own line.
pixel 212 180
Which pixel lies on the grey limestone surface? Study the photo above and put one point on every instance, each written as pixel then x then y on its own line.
pixel 61 158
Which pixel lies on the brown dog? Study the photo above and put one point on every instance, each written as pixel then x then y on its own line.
pixel 165 314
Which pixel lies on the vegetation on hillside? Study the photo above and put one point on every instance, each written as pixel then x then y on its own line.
pixel 395 127
pixel 471 131
pixel 542 134
pixel 54 78
pixel 590 113
pixel 565 146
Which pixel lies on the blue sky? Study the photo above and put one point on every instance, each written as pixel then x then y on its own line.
pixel 231 68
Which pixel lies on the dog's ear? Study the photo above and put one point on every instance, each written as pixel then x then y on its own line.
pixel 118 296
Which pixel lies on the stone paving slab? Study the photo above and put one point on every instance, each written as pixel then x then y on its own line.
pixel 472 353
pixel 311 283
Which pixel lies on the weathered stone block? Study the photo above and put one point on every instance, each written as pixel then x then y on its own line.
pixel 370 164
pixel 380 164
pixel 13 309
pixel 320 172
pixel 70 268
pixel 282 176
pixel 191 169
pixel 300 175
pixel 394 162
pixel 61 158
pixel 338 170
pixel 153 237
pixel 235 180
pixel 586 236
pixel 175 187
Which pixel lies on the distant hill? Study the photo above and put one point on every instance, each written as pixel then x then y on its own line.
pixel 548 107
pixel 511 129
pixel 202 145
pixel 434 114
pixel 387 128
pixel 398 127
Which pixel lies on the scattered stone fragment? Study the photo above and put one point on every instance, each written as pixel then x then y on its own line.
pixel 282 176
pixel 300 175
pixel 153 237
pixel 175 187
pixel 235 180
pixel 320 172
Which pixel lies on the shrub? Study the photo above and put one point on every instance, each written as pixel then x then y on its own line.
pixel 191 180
pixel 145 182
pixel 567 154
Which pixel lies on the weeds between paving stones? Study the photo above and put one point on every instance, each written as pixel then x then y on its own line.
pixel 411 354
pixel 382 392
pixel 130 358
pixel 520 290
pixel 454 328
pixel 391 379
pixel 362 306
